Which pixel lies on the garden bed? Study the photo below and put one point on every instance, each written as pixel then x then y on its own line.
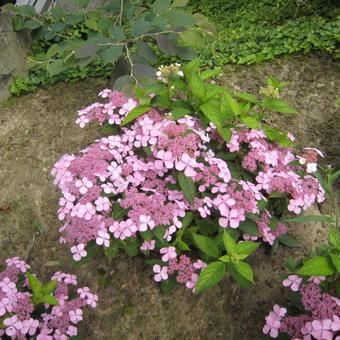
pixel 38 128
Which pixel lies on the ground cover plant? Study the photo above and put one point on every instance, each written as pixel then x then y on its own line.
pixel 190 173
pixel 120 39
pixel 32 310
pixel 252 31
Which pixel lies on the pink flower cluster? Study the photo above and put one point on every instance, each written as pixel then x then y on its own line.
pixel 19 314
pixel 182 267
pixel 321 320
pixel 137 170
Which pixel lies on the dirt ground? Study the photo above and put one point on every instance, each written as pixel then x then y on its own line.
pixel 38 128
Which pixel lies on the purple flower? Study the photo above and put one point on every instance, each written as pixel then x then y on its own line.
pixel 78 251
pixel 76 315
pixel 145 222
pixel 273 321
pixel 321 329
pixel 29 326
pixel 103 238
pixel 14 325
pixel 161 273
pixel 187 164
pixel 168 253
pixel 148 245
pixel 293 281
pixel 83 185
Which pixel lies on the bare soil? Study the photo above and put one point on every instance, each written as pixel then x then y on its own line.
pixel 37 129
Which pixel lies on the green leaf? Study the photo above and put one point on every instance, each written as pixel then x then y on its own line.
pixel 317 266
pixel 334 239
pixel 55 67
pixel 168 285
pixel 160 6
pixel 161 101
pixel 240 279
pixel 57 12
pixel 146 51
pixel 188 187
pixel 246 247
pixel 112 250
pixel 111 54
pixel 244 270
pixel 251 122
pixel 311 218
pixel 87 50
pixel 131 246
pixel 91 250
pixel 18 23
pixel 117 212
pixel 206 244
pixel 229 243
pixel 32 24
pixel 249 227
pixel 336 261
pixel 210 276
pixel 51 300
pixel 81 3
pixel 186 52
pixel 26 11
pixel 180 3
pixel 74 19
pixel 166 45
pixel 210 73
pixel 288 240
pixel 117 33
pixel 192 38
pixel 49 287
pixel 135 113
pixel 187 219
pixel 291 263
pixel 232 104
pixel 247 97
pixel 278 105
pixel 140 27
pixel 34 283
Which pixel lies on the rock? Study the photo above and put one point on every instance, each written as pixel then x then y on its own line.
pixel 13 53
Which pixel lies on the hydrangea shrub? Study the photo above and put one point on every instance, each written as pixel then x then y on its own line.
pixel 187 167
pixel 31 310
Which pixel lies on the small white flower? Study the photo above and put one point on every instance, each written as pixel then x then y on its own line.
pixel 180 73
pixel 311 167
pixel 302 160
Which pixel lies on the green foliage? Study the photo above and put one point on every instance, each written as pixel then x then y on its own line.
pixel 122 37
pixel 252 31
pixel 42 293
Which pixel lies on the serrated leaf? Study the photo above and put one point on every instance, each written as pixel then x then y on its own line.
pixel 161 101
pixel 186 52
pixel 82 3
pixel 32 24
pixel 135 113
pixel 229 243
pixel 206 245
pixel 334 239
pixel 244 270
pixel 311 218
pixel 122 81
pixel 34 283
pixel 140 27
pixel 51 300
pixel 180 3
pixel 141 71
pixel 278 105
pixel 192 38
pixel 74 19
pixel 92 24
pixel 246 247
pixel 146 51
pixel 112 250
pixel 336 261
pixel 26 11
pixel 166 45
pixel 55 67
pixel 160 6
pixel 291 263
pixel 249 227
pixel 317 266
pixel 210 276
pixel 209 74
pixel 49 287
pixel 247 97
pixel 117 33
pixel 288 240
pixel 87 50
pixel 111 54
pixel 251 122
pixel 18 23
pixel 188 187
pixel 240 279
pixel 57 12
